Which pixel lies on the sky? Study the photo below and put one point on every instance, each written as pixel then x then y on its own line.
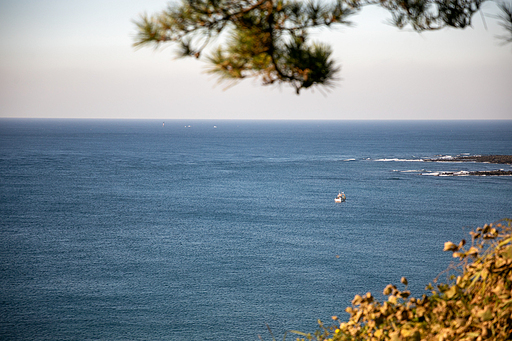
pixel 74 59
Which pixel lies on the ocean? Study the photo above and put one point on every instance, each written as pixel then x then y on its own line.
pixel 212 230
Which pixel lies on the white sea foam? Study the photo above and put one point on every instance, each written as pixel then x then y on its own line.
pixel 431 174
pixel 399 160
pixel 409 171
pixel 444 157
pixel 447 173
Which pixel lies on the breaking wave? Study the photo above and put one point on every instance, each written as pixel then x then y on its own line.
pixel 399 160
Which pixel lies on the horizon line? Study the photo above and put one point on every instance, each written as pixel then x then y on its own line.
pixel 251 119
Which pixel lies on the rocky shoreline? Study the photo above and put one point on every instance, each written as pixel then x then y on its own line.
pixel 495 159
pixel 499 159
pixel 498 172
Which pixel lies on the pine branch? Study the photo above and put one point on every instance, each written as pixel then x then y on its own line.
pixel 268 39
pixel 506 21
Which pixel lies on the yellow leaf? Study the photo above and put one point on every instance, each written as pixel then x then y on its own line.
pixel 394 336
pixel 407 332
pixel 449 246
pixel 388 289
pixel 451 292
pixel 485 315
pixel 357 300
pixel 507 253
pixel 473 334
pixel 500 262
pixel 473 251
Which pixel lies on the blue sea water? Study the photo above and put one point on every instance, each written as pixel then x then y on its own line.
pixel 209 230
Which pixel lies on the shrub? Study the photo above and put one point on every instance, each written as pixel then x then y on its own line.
pixel 475 304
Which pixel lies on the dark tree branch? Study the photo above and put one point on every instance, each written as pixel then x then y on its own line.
pixel 268 39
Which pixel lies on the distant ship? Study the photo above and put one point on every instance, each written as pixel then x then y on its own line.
pixel 341 197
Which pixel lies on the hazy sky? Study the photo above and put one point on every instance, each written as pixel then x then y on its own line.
pixel 74 59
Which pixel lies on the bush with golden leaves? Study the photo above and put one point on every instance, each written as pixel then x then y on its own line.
pixel 475 304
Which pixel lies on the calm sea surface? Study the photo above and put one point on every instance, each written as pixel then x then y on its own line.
pixel 208 230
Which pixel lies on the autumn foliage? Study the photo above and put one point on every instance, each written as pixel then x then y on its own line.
pixel 475 304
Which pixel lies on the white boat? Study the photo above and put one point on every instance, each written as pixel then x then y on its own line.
pixel 341 197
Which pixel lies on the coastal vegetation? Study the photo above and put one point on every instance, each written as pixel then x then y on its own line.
pixel 270 39
pixel 475 303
